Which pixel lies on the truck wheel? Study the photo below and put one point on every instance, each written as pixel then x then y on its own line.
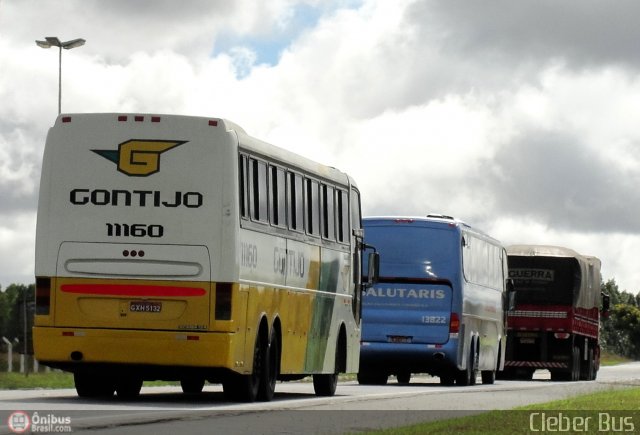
pixel 488 377
pixel 575 367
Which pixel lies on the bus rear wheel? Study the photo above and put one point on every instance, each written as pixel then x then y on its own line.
pixel 365 378
pixel 468 376
pixel 192 385
pixel 403 377
pixel 245 388
pixel 269 373
pixel 91 385
pixel 128 387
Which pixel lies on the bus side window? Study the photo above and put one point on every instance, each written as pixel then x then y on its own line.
pixel 295 201
pixel 313 208
pixel 342 216
pixel 328 212
pixel 356 217
pixel 244 206
pixel 258 190
pixel 278 196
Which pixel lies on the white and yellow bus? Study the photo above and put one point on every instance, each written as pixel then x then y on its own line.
pixel 181 248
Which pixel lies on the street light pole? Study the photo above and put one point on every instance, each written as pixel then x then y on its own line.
pixel 53 41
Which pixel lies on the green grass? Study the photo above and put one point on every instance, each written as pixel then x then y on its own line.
pixel 518 420
pixel 18 381
pixel 610 359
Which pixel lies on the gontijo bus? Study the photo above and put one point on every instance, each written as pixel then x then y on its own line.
pixel 173 247
pixel 438 306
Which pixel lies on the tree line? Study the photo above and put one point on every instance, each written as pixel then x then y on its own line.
pixel 620 331
pixel 16 301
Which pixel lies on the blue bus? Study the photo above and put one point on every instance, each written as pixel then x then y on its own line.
pixel 439 304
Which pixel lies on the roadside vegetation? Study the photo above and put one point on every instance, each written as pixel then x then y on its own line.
pixel 590 410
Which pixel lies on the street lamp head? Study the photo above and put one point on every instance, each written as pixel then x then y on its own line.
pixel 68 45
pixel 43 44
pixel 53 41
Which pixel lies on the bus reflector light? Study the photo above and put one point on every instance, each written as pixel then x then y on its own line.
pixel 73 333
pixel 43 296
pixel 66 119
pixel 138 118
pixel 122 118
pixel 404 221
pixel 183 337
pixel 223 301
pixel 213 122
pixel 155 119
pixel 454 323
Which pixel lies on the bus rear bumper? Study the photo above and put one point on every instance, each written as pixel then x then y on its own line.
pixel 66 347
pixel 414 358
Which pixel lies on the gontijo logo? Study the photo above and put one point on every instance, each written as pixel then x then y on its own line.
pixel 139 157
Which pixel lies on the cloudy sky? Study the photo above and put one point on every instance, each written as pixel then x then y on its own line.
pixel 521 118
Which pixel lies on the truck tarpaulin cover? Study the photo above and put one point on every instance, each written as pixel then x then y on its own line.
pixel 554 275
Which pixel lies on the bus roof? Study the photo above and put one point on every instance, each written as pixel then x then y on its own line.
pixel 245 141
pixel 431 220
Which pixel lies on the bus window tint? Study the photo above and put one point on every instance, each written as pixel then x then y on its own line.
pixel 296 202
pixel 259 190
pixel 342 216
pixel 244 209
pixel 313 208
pixel 328 212
pixel 278 196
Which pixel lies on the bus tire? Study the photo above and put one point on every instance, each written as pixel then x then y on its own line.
pixel 467 377
pixel 128 387
pixel 269 375
pixel 244 388
pixel 89 385
pixel 365 378
pixel 403 377
pixel 192 385
pixel 447 380
pixel 326 384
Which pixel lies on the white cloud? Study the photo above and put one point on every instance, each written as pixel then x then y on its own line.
pixel 432 106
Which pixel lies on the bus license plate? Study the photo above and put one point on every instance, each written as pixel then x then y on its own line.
pixel 145 307
pixel 399 339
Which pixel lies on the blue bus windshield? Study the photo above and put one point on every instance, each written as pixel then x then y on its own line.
pixel 415 251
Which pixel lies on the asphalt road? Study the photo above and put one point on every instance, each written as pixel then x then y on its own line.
pixel 295 409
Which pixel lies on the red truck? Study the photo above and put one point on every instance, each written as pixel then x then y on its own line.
pixel 554 313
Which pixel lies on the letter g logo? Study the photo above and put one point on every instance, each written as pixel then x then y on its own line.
pixel 139 158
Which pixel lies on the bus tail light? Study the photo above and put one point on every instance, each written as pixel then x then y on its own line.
pixel 561 335
pixel 223 301
pixel 454 324
pixel 43 296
